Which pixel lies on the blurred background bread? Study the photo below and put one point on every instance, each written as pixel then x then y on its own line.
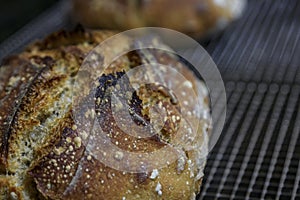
pixel 194 17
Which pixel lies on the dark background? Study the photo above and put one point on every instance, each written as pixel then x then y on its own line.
pixel 14 14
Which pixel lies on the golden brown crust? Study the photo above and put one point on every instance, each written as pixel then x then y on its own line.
pixel 195 17
pixel 45 152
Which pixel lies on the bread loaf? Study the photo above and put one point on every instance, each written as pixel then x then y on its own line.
pixel 194 17
pixel 44 152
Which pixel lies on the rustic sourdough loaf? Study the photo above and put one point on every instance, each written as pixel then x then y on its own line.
pixel 43 152
pixel 194 17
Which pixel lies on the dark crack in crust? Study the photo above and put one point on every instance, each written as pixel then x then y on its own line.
pixel 127 96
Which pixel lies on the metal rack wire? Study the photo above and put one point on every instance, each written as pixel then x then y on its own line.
pixel 258 155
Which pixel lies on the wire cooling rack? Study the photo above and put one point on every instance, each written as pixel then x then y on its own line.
pixel 258 154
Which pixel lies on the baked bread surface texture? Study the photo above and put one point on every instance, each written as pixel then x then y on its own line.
pixel 44 152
